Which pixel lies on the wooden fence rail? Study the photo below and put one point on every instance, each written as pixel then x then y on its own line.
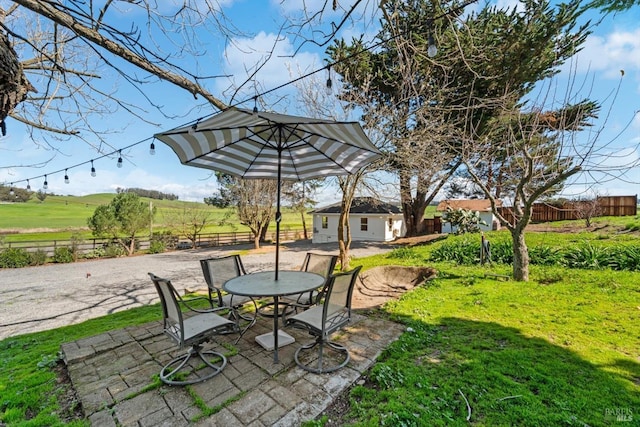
pixel 604 206
pixel 86 246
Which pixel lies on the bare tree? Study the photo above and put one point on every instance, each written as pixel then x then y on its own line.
pixel 541 150
pixel 54 53
pixel 189 221
pixel 587 208
pixel 318 102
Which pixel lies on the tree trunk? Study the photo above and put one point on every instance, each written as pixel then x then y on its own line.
pixel 344 243
pixel 520 255
pixel 13 83
pixel 256 240
pixel 304 226
pixel 407 204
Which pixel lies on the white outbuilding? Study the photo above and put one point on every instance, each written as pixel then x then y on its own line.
pixel 369 219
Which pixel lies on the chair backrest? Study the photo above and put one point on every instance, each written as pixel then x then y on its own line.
pixel 322 264
pixel 216 271
pixel 336 309
pixel 171 313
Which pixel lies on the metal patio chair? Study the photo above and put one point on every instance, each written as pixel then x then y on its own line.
pixel 192 332
pixel 322 264
pixel 216 272
pixel 322 320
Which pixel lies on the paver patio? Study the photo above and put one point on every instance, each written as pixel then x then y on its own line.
pixel 112 373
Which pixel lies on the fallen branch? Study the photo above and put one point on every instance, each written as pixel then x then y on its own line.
pixel 509 397
pixel 467 402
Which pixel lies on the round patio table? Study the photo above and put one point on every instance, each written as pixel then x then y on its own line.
pixel 264 284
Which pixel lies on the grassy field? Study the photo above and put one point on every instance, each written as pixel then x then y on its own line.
pixel 60 216
pixel 477 351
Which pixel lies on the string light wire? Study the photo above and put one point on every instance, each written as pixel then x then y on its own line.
pixel 253 98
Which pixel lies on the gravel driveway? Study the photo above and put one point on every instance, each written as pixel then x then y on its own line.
pixel 47 297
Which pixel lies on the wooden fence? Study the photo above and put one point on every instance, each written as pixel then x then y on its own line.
pixel 572 210
pixel 85 246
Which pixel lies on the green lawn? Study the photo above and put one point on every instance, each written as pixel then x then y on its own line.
pixel 561 349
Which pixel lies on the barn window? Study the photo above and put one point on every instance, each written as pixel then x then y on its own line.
pixel 325 222
pixel 364 224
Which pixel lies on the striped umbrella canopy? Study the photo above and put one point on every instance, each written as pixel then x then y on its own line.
pixel 262 145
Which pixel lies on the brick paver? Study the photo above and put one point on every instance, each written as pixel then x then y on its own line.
pixel 113 372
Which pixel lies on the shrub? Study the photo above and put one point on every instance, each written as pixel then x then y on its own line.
pixel 168 240
pixel 460 251
pixel 156 247
pixel 502 252
pixel 63 255
pixel 544 255
pixel 625 258
pixel 465 220
pixel 587 256
pixel 38 257
pixel 96 253
pixel 113 250
pixel 14 258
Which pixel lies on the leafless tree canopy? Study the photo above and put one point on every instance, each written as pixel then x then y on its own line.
pixel 65 66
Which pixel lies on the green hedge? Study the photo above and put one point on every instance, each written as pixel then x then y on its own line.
pixel 466 251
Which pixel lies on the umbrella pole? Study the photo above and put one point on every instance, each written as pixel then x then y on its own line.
pixel 278 214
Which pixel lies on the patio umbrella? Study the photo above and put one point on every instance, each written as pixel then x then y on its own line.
pixel 262 145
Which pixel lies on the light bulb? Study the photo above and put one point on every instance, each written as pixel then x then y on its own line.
pixel 11 192
pixel 432 49
pixel 93 170
pixel 28 185
pixel 193 129
pixel 152 149
pixel 46 184
pixel 119 164
pixel 66 177
pixel 329 88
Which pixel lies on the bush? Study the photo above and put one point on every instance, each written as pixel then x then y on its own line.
pixel 587 256
pixel 14 258
pixel 156 247
pixel 544 255
pixel 114 250
pixel 461 251
pixel 502 252
pixel 166 238
pixel 38 257
pixel 63 255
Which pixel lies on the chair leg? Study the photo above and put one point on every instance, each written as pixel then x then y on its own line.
pixel 320 367
pixel 168 371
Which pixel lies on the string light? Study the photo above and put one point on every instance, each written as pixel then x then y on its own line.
pixel 66 177
pixel 152 149
pixel 329 88
pixel 28 185
pixel 432 49
pixel 93 169
pixel 45 185
pixel 11 192
pixel 255 104
pixel 119 164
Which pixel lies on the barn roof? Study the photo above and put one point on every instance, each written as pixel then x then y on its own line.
pixel 481 205
pixel 363 205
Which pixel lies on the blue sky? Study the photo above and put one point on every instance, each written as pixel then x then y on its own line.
pixel 614 46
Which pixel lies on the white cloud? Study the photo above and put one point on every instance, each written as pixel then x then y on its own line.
pixel 243 56
pixel 611 53
pixel 510 5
